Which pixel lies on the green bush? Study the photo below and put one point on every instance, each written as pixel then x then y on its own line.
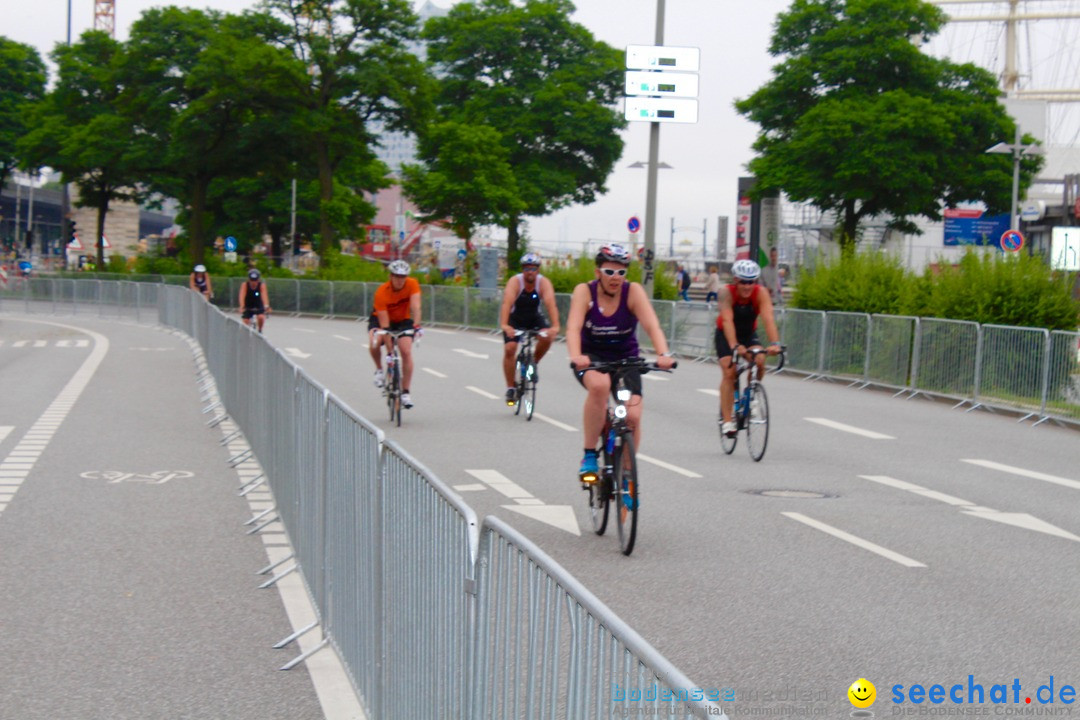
pixel 1014 290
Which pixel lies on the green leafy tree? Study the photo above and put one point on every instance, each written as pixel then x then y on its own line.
pixel 859 121
pixel 359 73
pixel 22 84
pixel 80 130
pixel 545 85
pixel 467 178
pixel 210 96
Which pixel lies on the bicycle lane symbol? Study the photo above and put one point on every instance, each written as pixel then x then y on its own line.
pixel 113 477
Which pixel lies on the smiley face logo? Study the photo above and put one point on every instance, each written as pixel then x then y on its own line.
pixel 862 693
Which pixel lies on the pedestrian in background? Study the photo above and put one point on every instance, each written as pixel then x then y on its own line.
pixel 712 285
pixel 770 276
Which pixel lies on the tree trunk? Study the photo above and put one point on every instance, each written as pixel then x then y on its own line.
pixel 276 231
pixel 850 229
pixel 198 219
pixel 513 240
pixel 103 210
pixel 326 195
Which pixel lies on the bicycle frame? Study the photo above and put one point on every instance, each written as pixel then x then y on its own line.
pixel 392 387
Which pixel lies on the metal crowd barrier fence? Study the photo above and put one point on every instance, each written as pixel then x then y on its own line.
pixel 390 558
pixel 961 360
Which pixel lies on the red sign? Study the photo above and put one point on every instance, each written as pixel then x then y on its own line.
pixel 1012 240
pixel 1076 209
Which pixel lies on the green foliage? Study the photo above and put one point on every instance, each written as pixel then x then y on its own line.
pixel 1016 290
pixel 857 120
pixel 336 266
pixel 544 84
pixel 149 265
pixel 22 84
pixel 116 264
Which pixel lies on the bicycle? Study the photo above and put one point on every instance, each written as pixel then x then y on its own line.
pixel 751 412
pixel 525 372
pixel 618 474
pixel 392 382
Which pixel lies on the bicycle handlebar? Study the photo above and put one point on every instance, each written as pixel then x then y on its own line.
pixel 754 352
pixel 397 333
pixel 625 364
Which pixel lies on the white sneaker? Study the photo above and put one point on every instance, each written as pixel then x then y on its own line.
pixel 380 379
pixel 406 400
pixel 730 429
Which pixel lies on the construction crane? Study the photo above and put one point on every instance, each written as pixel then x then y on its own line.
pixel 105 16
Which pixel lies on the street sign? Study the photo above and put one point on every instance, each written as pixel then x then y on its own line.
pixel 661 84
pixel 669 110
pixel 230 244
pixel 75 244
pixel 1065 249
pixel 105 243
pixel 1033 211
pixel 633 224
pixel 1012 240
pixel 662 57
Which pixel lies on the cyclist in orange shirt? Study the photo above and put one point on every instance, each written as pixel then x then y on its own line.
pixel 397 306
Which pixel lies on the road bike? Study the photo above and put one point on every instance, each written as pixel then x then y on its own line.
pixel 618 482
pixel 751 412
pixel 525 372
pixel 392 378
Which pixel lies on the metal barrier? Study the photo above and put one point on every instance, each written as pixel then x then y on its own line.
pixel 947 358
pixel 846 351
pixel 1062 399
pixel 1013 367
pixel 891 351
pixel 803 331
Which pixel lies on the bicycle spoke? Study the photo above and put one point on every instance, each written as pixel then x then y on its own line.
pixel 757 423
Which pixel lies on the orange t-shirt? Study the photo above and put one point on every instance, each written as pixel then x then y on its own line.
pixel 396 303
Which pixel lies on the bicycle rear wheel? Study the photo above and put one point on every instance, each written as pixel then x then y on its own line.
pixel 393 393
pixel 757 421
pixel 626 493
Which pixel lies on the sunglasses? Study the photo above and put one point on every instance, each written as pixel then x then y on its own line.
pixel 748 282
pixel 529 268
pixel 612 272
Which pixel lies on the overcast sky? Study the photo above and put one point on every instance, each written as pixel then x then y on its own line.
pixel 706 158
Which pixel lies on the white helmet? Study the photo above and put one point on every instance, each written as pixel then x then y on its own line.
pixel 399 267
pixel 746 270
pixel 530 259
pixel 200 268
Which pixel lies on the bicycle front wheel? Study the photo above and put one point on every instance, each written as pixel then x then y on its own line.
pixel 727 443
pixel 626 493
pixel 528 394
pixel 393 394
pixel 757 421
pixel 519 384
pixel 599 495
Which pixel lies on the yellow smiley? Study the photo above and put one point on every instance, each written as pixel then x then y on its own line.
pixel 862 693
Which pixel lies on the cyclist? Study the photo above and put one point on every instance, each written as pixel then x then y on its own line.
pixel 601 326
pixel 397 306
pixel 741 304
pixel 521 311
pixel 200 282
pixel 254 300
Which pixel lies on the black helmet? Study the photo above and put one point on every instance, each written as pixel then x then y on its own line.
pixel 254 274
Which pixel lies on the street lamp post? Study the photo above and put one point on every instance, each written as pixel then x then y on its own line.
pixel 654 165
pixel 1017 150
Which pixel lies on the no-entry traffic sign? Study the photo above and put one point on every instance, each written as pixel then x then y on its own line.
pixel 1012 240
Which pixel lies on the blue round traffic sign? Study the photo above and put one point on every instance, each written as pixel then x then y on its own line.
pixel 1012 240
pixel 633 224
pixel 230 244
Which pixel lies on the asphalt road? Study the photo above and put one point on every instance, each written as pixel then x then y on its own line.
pixel 927 544
pixel 127 584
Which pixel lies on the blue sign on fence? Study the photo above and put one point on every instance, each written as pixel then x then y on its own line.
pixel 972 227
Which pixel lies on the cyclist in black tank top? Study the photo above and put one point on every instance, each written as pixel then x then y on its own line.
pixel 523 297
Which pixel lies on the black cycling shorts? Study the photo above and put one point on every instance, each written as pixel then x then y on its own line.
pixel 632 377
pixel 252 312
pixel 540 324
pixel 724 350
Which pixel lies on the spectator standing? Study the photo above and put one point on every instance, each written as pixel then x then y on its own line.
pixel 770 276
pixel 712 285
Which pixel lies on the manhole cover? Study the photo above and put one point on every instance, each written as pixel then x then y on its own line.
pixel 791 494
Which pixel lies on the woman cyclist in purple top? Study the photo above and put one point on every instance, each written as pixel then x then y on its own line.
pixel 601 327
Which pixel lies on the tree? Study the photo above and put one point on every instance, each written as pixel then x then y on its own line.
pixel 857 120
pixel 22 84
pixel 359 72
pixel 545 85
pixel 467 179
pixel 211 97
pixel 79 128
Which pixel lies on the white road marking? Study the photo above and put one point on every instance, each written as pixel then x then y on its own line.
pixel 42 431
pixel 429 329
pixel 307 330
pixel 655 378
pixel 709 391
pixel 668 466
pixel 473 487
pixel 917 489
pixel 850 428
pixel 296 353
pixel 478 391
pixel 498 340
pixel 553 421
pixel 40 343
pixel 558 516
pixel 5 430
pixel 343 337
pixel 854 540
pixel 436 373
pixel 500 482
pixel 1020 520
pixel 20 343
pixel 82 343
pixel 1066 482
pixel 470 353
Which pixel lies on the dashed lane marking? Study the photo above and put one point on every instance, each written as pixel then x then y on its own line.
pixel 20 461
pixel 854 540
pixel 1065 482
pixel 436 373
pixel 553 421
pixel 483 393
pixel 668 466
pixel 850 429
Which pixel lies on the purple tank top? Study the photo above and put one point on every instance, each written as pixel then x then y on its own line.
pixel 609 337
